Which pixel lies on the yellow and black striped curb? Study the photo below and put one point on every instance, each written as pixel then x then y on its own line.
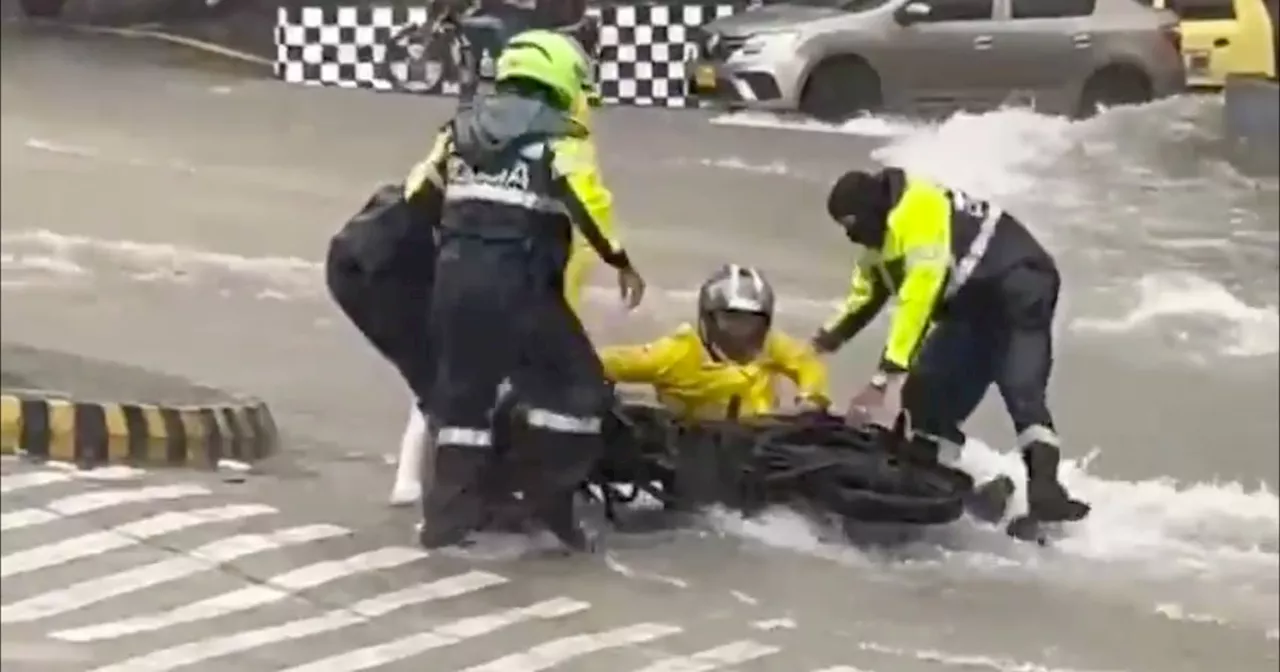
pixel 94 433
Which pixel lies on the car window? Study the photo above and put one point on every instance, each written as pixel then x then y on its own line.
pixel 959 10
pixel 1052 9
pixel 1204 10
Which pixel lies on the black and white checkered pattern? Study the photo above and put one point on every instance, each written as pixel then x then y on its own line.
pixel 642 50
pixel 345 46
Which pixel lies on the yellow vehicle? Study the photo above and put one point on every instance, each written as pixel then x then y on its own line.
pixel 1225 37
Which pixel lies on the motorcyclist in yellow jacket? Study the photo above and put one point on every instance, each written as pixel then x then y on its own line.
pixel 733 353
pixel 976 296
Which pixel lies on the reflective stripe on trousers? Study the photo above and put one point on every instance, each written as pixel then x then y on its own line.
pixel 464 436
pixel 1038 434
pixel 963 269
pixel 559 422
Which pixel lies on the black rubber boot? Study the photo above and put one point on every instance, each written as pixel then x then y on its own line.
pixel 561 519
pixel 454 506
pixel 1047 499
pixel 990 501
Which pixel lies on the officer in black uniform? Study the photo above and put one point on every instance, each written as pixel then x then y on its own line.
pixel 976 294
pixel 498 311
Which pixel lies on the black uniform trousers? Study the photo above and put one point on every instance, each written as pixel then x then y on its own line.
pixel 391 311
pixel 1001 334
pixel 499 313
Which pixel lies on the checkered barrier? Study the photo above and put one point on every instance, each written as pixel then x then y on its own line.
pixel 642 50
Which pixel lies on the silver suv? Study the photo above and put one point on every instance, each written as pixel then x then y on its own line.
pixel 834 59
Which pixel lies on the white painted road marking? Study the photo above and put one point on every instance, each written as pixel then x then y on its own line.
pixel 557 651
pixel 273 590
pixel 121 536
pixel 218 634
pixel 67 472
pixel 448 634
pixel 14 482
pixel 734 653
pixel 95 501
pixel 204 650
pixel 205 558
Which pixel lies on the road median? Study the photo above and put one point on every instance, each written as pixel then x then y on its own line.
pixel 66 408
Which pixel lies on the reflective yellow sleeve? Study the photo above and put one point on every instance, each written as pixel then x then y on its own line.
pixel 429 171
pixel 867 295
pixel 801 364
pixel 588 184
pixel 646 363
pixel 923 227
pixel 598 201
pixel 588 200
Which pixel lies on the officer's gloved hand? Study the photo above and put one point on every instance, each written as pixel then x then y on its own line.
pixel 825 342
pixel 631 286
pixel 879 403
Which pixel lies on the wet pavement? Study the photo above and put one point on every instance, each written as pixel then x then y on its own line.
pixel 172 220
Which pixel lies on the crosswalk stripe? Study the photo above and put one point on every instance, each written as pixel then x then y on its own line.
pixel 15 482
pixel 558 651
pixel 35 479
pixel 15 520
pixel 95 501
pixel 448 634
pixel 734 653
pixel 272 590
pixel 842 668
pixel 207 557
pixel 197 652
pixel 120 536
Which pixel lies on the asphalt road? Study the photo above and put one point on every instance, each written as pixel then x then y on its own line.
pixel 184 213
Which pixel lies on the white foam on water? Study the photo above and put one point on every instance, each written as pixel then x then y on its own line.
pixel 39 263
pixel 771 169
pixel 994 155
pixel 1094 190
pixel 867 126
pixel 1160 299
pixel 293 278
pixel 1224 532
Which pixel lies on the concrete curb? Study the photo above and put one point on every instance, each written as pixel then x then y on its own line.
pixel 39 425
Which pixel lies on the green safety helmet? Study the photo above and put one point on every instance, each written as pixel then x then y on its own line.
pixel 551 59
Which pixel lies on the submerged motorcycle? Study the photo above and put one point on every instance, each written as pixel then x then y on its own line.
pixel 812 462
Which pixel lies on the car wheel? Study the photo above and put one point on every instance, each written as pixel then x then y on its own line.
pixel 43 9
pixel 840 89
pixel 1113 86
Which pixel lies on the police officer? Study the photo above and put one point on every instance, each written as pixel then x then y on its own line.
pixel 598 201
pixel 976 298
pixel 498 311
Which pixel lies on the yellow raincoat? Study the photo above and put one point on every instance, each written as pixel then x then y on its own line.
pixel 692 383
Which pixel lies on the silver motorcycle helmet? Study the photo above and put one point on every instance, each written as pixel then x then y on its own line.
pixel 735 312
